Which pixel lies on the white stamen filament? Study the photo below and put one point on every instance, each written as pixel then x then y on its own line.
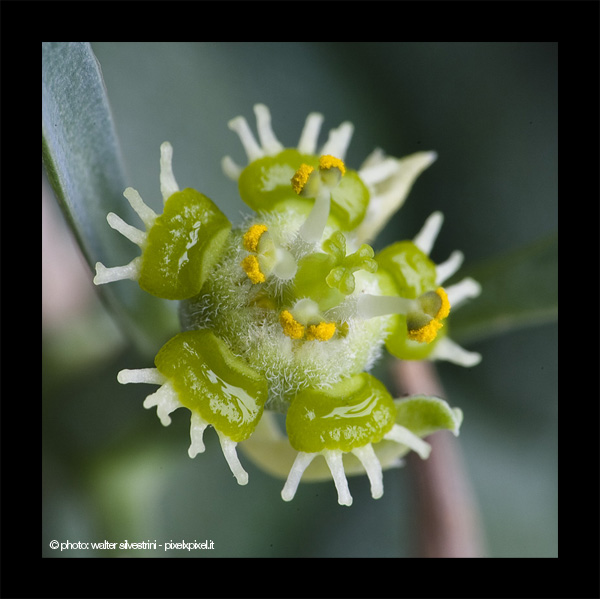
pixel 310 134
pixel 168 185
pixel 270 144
pixel 425 239
pixel 251 147
pixel 314 225
pixel 370 306
pixel 285 264
pixel 306 311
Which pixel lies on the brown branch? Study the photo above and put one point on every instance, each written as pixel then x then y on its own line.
pixel 447 513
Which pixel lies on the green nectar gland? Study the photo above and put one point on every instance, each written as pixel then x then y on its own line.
pixel 352 413
pixel 179 247
pixel 264 185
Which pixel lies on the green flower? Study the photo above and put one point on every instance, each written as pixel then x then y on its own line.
pixel 288 312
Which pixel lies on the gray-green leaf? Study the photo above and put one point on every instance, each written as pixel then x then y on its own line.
pixel 518 289
pixel 81 156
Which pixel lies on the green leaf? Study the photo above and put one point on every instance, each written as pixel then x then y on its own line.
pixel 82 159
pixel 425 414
pixel 518 289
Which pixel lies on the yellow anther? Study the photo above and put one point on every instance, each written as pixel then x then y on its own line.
pixel 322 331
pixel 301 176
pixel 445 307
pixel 291 327
pixel 252 237
pixel 427 333
pixel 252 269
pixel 326 162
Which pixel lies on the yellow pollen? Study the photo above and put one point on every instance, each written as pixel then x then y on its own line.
pixel 291 327
pixel 445 307
pixel 322 331
pixel 252 269
pixel 327 162
pixel 252 237
pixel 301 177
pixel 427 333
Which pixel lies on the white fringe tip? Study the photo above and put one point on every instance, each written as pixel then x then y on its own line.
pixel 466 289
pixel 270 144
pixel 228 446
pixel 402 435
pixel 230 168
pixel 152 376
pixel 166 401
pixel 301 463
pixel 336 466
pixel 338 141
pixel 251 147
pixel 446 269
pixel 168 185
pixel 425 239
pixel 372 466
pixel 389 181
pixel 146 214
pixel 310 134
pixel 105 274
pixel 368 458
pixel 376 173
pixel 129 232
pixel 450 351
pixel 197 427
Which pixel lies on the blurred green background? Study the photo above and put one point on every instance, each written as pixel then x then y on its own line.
pixel 111 471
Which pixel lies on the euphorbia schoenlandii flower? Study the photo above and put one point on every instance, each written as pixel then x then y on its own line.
pixel 288 312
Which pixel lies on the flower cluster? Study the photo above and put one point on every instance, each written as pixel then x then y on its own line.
pixel 288 312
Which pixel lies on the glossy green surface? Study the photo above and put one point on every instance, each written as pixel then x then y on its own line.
pixel 400 346
pixel 310 281
pixel 411 270
pixel 183 245
pixel 212 381
pixel 423 415
pixel 404 270
pixel 356 411
pixel 265 184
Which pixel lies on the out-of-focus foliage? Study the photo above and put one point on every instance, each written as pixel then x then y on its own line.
pixel 489 110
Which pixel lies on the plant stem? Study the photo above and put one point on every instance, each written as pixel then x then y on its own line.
pixel 447 514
